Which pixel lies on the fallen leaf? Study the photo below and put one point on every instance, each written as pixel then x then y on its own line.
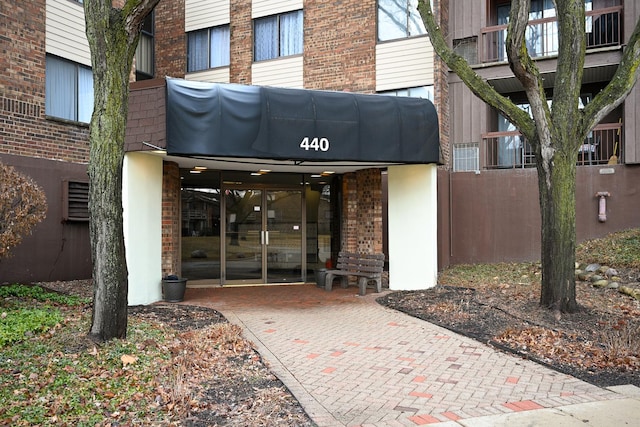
pixel 127 359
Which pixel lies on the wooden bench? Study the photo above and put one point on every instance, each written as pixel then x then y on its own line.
pixel 365 267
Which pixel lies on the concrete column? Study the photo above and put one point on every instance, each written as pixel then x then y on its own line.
pixel 413 223
pixel 142 212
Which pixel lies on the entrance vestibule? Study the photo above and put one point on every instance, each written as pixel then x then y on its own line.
pixel 254 228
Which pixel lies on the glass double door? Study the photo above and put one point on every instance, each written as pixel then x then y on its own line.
pixel 264 234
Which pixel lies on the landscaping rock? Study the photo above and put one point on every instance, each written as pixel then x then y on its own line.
pixel 601 283
pixel 592 268
pixel 610 272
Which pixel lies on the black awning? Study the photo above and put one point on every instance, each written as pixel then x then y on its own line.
pixel 230 120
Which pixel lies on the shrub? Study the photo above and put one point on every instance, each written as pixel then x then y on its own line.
pixel 22 205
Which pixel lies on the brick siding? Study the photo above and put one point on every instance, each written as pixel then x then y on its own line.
pixel 24 128
pixel 340 45
pixel 170 39
pixel 170 219
pixel 241 46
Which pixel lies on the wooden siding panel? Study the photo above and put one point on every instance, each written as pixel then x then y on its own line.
pixel 631 130
pixel 201 14
pixel 65 34
pixel 271 7
pixel 404 64
pixel 467 17
pixel 214 75
pixel 284 72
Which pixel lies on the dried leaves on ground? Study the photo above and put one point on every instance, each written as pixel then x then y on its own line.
pixel 599 344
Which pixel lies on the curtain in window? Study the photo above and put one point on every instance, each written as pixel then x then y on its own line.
pixel 144 55
pixel 266 38
pixel 60 88
pixel 291 33
pixel 219 47
pixel 85 94
pixel 198 48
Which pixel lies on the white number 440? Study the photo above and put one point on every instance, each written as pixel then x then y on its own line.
pixel 315 144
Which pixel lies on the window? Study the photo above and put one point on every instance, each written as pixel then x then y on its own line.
pixel 144 52
pixel 69 90
pixel 399 19
pixel 208 48
pixel 542 38
pixel 425 92
pixel 466 157
pixel 278 35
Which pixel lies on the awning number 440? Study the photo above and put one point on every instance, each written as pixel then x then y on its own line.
pixel 314 144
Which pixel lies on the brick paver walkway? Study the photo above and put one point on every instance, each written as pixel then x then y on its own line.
pixel 352 362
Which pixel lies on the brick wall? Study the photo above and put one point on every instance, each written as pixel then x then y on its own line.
pixel 170 219
pixel 170 39
pixel 340 45
pixel 241 46
pixel 24 129
pixel 369 213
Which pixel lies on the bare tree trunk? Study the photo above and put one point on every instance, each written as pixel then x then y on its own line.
pixel 112 58
pixel 558 236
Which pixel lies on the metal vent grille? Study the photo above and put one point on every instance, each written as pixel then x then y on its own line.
pixel 75 201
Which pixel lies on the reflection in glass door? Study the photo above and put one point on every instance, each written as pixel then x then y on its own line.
pixel 244 235
pixel 283 232
pixel 264 232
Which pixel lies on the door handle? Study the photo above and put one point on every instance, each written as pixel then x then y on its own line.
pixel 264 237
pixel 266 234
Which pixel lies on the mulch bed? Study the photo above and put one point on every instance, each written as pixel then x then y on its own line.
pixel 599 344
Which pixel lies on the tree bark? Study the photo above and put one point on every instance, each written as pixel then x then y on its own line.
pixel 113 37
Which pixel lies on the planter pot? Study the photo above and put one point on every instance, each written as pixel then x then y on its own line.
pixel 173 289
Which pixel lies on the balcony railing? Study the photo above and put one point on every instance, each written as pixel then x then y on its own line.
pixel 509 150
pixel 602 26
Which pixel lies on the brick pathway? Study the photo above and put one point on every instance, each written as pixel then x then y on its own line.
pixel 352 362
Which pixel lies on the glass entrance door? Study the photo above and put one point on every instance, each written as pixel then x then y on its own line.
pixel 284 236
pixel 264 234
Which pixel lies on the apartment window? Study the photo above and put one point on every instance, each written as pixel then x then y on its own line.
pixel 208 48
pixel 69 90
pixel 144 52
pixel 425 92
pixel 466 157
pixel 278 35
pixel 542 38
pixel 399 19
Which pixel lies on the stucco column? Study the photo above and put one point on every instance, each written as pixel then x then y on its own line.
pixel 413 223
pixel 142 220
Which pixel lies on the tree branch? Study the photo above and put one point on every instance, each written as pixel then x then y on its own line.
pixel 478 86
pixel 620 85
pixel 134 12
pixel 523 66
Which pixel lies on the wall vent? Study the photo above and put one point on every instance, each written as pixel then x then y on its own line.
pixel 75 201
pixel 466 157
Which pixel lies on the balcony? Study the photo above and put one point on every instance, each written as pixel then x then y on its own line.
pixel 603 29
pixel 509 150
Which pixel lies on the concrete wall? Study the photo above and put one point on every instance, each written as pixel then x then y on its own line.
pixel 413 212
pixel 142 210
